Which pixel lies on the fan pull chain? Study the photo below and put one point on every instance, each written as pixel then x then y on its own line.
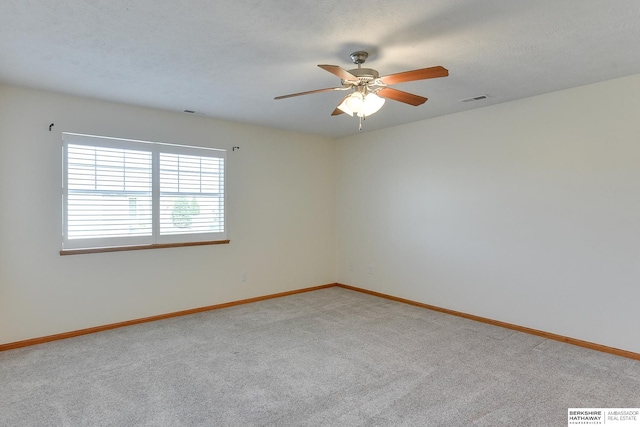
pixel 360 127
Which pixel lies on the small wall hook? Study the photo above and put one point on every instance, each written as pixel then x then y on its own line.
pixel 50 126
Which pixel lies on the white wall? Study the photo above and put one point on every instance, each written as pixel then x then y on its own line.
pixel 281 210
pixel 526 212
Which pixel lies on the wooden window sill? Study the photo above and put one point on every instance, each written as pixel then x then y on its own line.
pixel 139 247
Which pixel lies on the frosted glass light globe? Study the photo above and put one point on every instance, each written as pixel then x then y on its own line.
pixel 372 103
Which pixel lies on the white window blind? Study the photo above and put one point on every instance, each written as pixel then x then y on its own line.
pixel 121 192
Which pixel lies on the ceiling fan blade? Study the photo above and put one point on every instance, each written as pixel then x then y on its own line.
pixel 340 72
pixel 329 89
pixel 398 95
pixel 409 76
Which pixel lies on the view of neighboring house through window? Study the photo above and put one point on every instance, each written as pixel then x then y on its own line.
pixel 121 192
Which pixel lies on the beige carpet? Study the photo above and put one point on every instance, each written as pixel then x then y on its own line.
pixel 331 357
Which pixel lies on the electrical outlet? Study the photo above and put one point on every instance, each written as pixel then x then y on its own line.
pixel 244 276
pixel 370 269
pixel 350 266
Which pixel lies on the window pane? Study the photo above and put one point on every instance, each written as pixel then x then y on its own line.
pixel 191 174
pixel 191 194
pixel 109 192
pixel 191 214
pixel 108 215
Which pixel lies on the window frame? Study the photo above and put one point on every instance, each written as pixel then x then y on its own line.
pixel 155 239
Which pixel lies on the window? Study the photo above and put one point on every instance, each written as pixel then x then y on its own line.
pixel 125 193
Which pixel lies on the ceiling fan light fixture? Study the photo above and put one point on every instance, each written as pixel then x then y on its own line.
pixel 361 105
pixel 372 103
pixel 344 107
pixel 354 103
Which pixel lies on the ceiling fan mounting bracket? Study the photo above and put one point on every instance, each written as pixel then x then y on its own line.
pixel 359 57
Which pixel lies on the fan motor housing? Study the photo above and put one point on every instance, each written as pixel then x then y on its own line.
pixel 365 75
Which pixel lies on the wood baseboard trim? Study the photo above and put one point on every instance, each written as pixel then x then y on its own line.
pixel 71 334
pixel 543 334
pixel 548 335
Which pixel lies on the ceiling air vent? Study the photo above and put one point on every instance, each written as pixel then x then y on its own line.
pixel 475 98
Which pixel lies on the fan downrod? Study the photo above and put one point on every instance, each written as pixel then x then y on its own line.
pixel 364 75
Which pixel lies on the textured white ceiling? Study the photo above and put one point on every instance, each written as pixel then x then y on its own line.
pixel 229 59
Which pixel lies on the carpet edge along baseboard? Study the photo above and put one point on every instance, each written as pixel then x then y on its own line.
pixel 543 334
pixel 86 331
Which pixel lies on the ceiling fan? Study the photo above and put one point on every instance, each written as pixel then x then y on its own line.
pixel 369 90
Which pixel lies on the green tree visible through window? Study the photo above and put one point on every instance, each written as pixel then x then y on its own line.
pixel 184 211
